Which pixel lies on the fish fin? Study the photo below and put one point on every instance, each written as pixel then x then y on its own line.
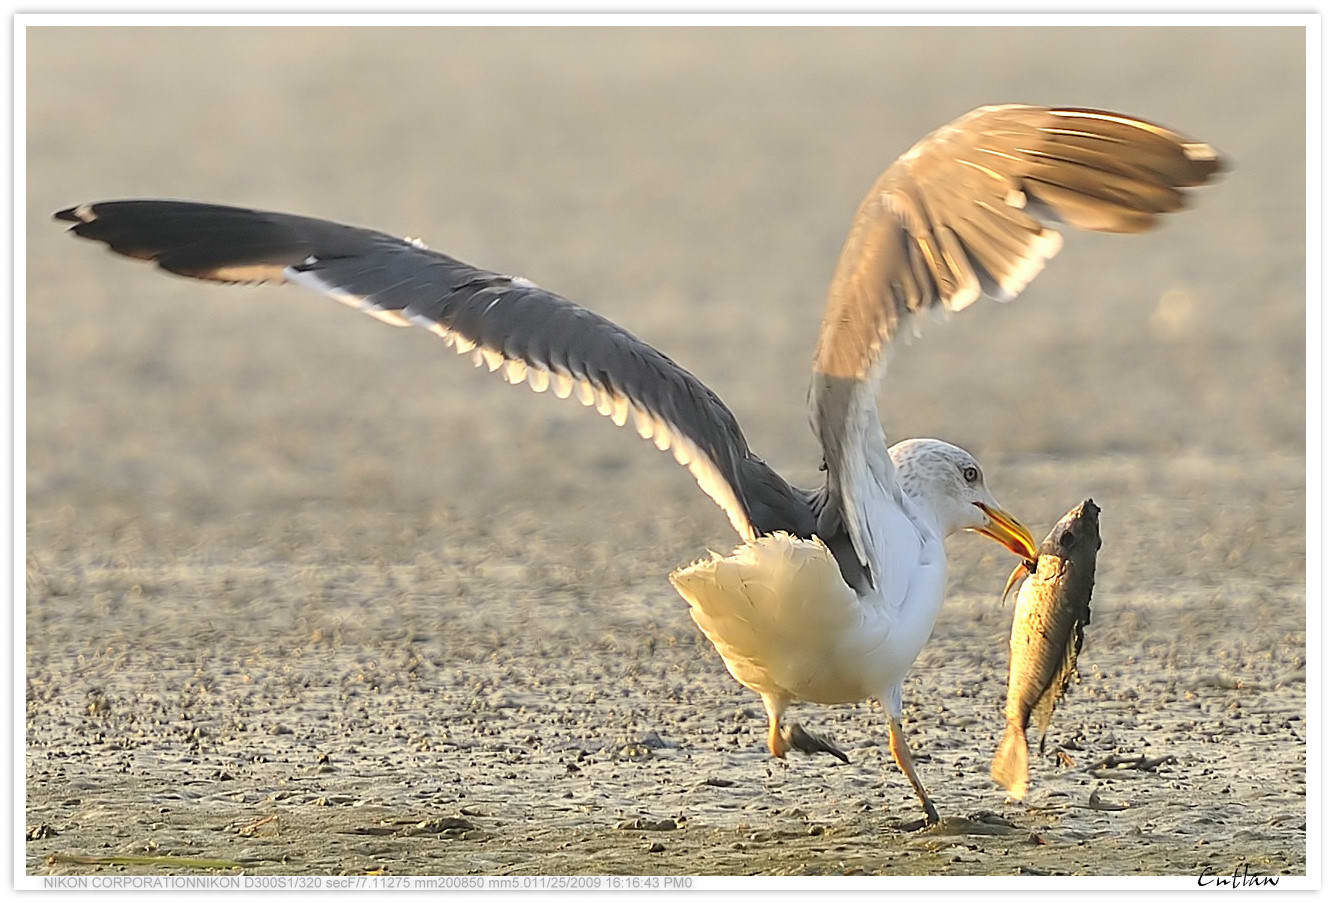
pixel 1043 710
pixel 1041 714
pixel 1018 574
pixel 1009 769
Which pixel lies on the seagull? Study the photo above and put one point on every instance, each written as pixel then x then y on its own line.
pixel 833 591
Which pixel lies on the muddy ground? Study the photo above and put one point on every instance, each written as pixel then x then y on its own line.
pixel 306 594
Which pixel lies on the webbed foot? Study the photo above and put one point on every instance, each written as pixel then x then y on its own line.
pixel 797 737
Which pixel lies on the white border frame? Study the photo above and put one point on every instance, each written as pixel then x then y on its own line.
pixel 1316 547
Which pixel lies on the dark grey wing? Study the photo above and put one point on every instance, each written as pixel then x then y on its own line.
pixel 957 216
pixel 508 324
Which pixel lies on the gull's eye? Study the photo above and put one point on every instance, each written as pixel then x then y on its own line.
pixel 970 474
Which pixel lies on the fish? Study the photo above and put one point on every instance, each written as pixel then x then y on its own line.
pixel 1053 606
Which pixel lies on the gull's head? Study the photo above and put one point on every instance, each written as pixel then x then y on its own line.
pixel 948 482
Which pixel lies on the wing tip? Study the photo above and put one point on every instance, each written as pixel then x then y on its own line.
pixel 81 213
pixel 967 292
pixel 1207 160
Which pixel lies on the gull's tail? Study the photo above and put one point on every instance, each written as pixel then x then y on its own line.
pixel 776 609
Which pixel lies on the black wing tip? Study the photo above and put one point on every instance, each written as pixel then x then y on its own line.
pixel 79 213
pixel 88 212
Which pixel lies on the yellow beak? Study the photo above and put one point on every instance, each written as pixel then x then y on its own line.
pixel 1007 531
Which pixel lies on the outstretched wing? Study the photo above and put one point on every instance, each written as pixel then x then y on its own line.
pixel 957 216
pixel 507 324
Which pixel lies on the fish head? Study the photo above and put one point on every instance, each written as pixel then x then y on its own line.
pixel 1077 535
pixel 1068 552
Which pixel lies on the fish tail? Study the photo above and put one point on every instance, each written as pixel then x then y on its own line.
pixel 1009 769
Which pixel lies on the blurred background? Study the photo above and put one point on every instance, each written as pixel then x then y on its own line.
pixel 273 542
pixel 694 185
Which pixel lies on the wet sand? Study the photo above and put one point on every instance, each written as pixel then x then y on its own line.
pixel 308 594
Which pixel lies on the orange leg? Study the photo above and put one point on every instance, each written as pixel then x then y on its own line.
pixel 902 755
pixel 777 743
